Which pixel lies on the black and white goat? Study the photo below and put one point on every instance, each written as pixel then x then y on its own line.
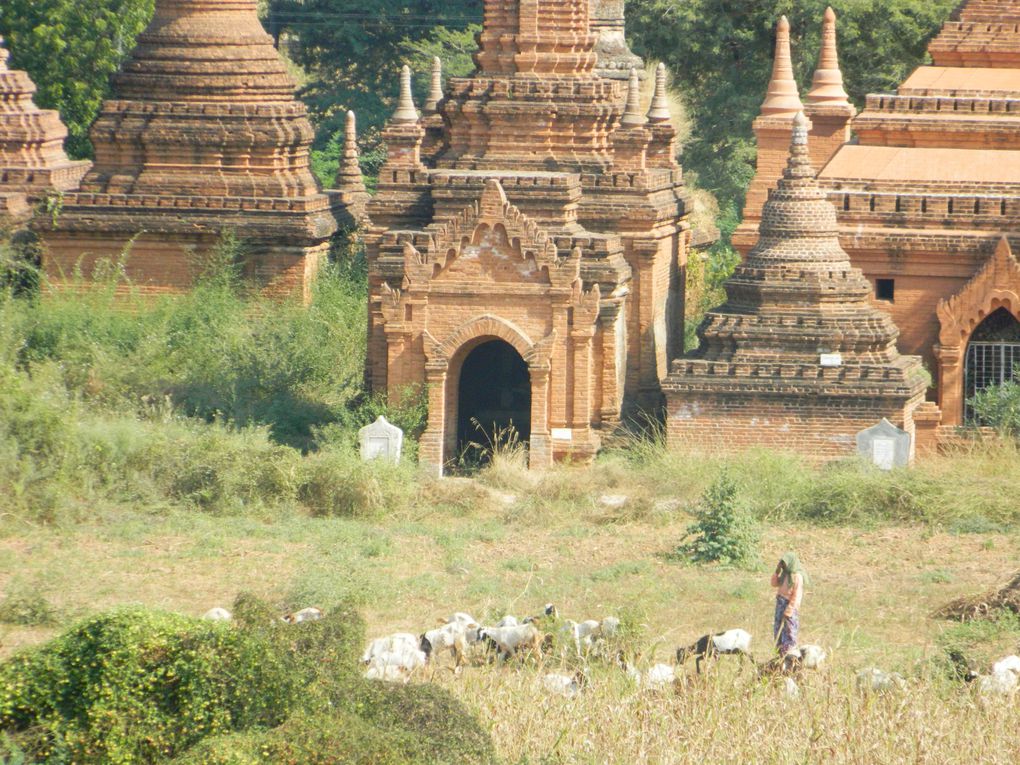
pixel 710 646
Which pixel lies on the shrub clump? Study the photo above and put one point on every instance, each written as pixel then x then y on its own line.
pixel 28 609
pixel 723 531
pixel 139 686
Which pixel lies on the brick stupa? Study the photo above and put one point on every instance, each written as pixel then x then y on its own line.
pixel 32 158
pixel 797 358
pixel 527 249
pixel 203 134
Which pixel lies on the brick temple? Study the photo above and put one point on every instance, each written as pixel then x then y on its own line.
pixel 33 164
pixel 798 357
pixel 927 195
pixel 528 242
pixel 202 134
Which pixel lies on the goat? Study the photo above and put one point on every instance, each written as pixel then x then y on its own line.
pixel 812 656
pixel 873 680
pixel 395 643
pixel 709 646
pixel 513 639
pixel 395 666
pixel 452 636
pixel 217 615
pixel 568 686
pixel 508 621
pixel 657 676
pixel 1010 663
pixel 310 614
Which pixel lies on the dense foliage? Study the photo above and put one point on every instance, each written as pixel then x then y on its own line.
pixel 999 407
pixel 136 686
pixel 720 53
pixel 70 48
pixel 723 531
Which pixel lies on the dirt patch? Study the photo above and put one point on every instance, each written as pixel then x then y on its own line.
pixel 1005 598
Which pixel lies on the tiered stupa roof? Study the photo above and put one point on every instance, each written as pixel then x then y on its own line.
pixel 32 158
pixel 203 120
pixel 795 299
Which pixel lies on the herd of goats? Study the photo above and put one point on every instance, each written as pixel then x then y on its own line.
pixel 398 657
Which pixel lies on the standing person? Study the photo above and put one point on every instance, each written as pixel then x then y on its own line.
pixel 789 580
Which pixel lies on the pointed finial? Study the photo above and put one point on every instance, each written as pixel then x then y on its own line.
pixel 406 112
pixel 659 111
pixel 3 55
pixel 827 85
pixel 436 88
pixel 632 114
pixel 799 165
pixel 348 177
pixel 783 97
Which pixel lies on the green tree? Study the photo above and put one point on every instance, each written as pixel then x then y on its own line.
pixel 70 48
pixel 998 406
pixel 720 52
pixel 353 53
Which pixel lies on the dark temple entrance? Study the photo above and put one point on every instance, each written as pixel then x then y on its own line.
pixel 992 356
pixel 494 400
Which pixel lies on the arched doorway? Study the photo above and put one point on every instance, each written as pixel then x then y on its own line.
pixel 494 399
pixel 992 355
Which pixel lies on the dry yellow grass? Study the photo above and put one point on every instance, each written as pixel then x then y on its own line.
pixel 471 548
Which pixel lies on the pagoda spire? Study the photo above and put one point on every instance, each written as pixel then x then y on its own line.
pixel 783 96
pixel 659 109
pixel 435 88
pixel 632 114
pixel 827 85
pixel 348 177
pixel 406 112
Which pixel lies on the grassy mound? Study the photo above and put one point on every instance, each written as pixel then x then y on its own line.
pixel 138 686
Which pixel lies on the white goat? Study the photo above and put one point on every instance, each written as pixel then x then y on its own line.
pixel 217 615
pixel 513 639
pixel 568 686
pixel 873 680
pixel 508 621
pixel 310 614
pixel 395 643
pixel 451 637
pixel 397 665
pixel 658 675
pixel 1009 663
pixel 812 656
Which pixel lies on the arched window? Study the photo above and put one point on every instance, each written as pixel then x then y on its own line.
pixel 993 354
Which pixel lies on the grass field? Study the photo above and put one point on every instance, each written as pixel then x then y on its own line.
pixel 509 542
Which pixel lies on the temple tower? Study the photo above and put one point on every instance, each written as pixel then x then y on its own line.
pixel 202 134
pixel 926 194
pixel 526 264
pixel 32 158
pixel 615 58
pixel 797 358
pixel 772 129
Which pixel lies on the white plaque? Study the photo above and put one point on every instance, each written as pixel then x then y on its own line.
pixel 832 360
pixel 883 453
pixel 563 434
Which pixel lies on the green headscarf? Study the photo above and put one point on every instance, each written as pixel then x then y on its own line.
pixel 791 566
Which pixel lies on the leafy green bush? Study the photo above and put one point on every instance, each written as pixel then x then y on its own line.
pixel 999 408
pixel 136 686
pixel 722 531
pixel 27 608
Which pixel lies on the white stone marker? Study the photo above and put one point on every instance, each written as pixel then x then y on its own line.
pixel 381 440
pixel 884 445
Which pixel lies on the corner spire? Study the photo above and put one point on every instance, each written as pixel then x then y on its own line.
pixel 4 55
pixel 659 110
pixel 799 164
pixel 632 114
pixel 827 85
pixel 348 177
pixel 406 112
pixel 783 97
pixel 436 87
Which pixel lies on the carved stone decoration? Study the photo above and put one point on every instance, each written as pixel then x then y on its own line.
pixel 533 200
pixel 615 59
pixel 202 134
pixel 797 358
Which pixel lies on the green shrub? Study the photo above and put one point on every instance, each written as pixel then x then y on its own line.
pixel 999 407
pixel 136 686
pixel 723 531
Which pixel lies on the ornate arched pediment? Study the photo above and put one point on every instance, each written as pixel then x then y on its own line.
pixel 996 285
pixel 487 325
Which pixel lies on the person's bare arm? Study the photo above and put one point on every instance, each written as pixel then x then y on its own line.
pixel 798 591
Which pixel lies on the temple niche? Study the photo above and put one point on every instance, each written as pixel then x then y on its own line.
pixel 797 358
pixel 202 134
pixel 33 164
pixel 528 242
pixel 924 194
